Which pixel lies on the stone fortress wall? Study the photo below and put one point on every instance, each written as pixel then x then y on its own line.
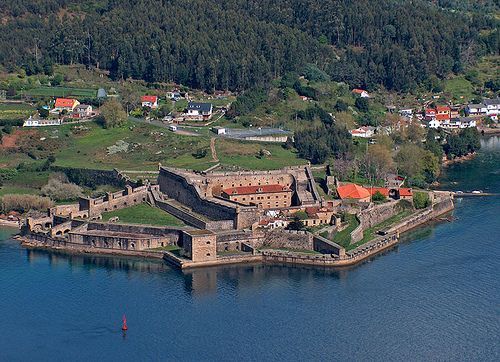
pixel 201 191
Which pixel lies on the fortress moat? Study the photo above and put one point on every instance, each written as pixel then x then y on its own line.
pixel 235 217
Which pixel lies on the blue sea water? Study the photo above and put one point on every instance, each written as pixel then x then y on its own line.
pixel 436 296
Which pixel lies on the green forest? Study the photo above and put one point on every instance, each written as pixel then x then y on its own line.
pixel 237 44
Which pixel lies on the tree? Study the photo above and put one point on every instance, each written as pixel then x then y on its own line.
pixel 421 200
pixel 112 114
pixel 341 106
pixel 43 112
pixel 362 104
pixel 378 161
pixel 409 160
pixel 59 189
pixel 378 197
pixel 295 224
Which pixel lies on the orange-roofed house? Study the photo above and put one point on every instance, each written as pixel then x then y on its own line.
pixel 266 196
pixel 443 113
pixel 353 191
pixel 361 92
pixel 65 104
pixel 149 101
pixel 405 193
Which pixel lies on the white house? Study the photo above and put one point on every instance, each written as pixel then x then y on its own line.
pixel 199 109
pixel 458 123
pixel 149 101
pixel 361 92
pixel 476 110
pixel 38 122
pixel 83 111
pixel 492 106
pixel 363 132
pixel 434 123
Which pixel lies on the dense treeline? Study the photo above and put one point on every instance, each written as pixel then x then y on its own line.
pixel 236 44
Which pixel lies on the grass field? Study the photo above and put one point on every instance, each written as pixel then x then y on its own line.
pixel 343 238
pixel 459 88
pixel 45 91
pixel 15 110
pixel 143 214
pixel 13 189
pixel 245 155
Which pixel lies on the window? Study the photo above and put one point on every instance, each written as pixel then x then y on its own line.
pixel 208 242
pixel 208 254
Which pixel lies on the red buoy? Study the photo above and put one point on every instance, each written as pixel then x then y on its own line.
pixel 124 326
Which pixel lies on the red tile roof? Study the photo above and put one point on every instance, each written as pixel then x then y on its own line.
pixel 443 117
pixel 383 190
pixel 151 99
pixel 358 91
pixel 404 191
pixel 442 108
pixel 64 102
pixel 352 191
pixel 249 190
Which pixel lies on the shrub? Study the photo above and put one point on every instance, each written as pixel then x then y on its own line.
pixel 378 197
pixel 421 200
pixel 24 203
pixel 58 188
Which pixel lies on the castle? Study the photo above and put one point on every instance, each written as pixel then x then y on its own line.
pixel 229 217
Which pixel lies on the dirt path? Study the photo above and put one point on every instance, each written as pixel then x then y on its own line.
pixel 214 151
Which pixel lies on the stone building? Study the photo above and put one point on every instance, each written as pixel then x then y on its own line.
pixel 200 245
pixel 266 196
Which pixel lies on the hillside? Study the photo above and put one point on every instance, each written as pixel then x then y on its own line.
pixel 236 44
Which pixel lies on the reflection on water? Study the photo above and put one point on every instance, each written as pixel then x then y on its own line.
pixel 432 297
pixel 91 262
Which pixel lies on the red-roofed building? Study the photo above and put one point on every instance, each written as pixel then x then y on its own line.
pixel 65 104
pixel 443 113
pixel 405 193
pixel 383 190
pixel 430 114
pixel 266 196
pixel 149 101
pixel 353 191
pixel 361 92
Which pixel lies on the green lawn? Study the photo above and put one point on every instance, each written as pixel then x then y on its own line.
pixel 370 233
pixel 143 214
pixel 12 189
pixel 343 238
pixel 168 248
pixel 245 155
pixel 459 87
pixel 45 91
pixel 148 146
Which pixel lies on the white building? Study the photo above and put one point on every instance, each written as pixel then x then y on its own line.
pixel 492 106
pixel 219 130
pixel 199 109
pixel 459 123
pixel 38 122
pixel 476 110
pixel 149 101
pixel 363 132
pixel 83 111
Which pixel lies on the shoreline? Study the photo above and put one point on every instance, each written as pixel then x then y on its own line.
pixel 11 224
pixel 291 258
pixel 462 159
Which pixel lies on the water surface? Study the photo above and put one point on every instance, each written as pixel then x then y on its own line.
pixel 433 297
